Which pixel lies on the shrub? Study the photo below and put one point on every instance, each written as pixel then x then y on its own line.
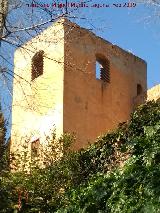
pixel 118 173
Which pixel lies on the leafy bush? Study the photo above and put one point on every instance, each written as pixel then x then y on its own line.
pixel 133 186
pixel 118 173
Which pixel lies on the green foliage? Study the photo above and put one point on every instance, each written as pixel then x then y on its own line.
pixel 3 144
pixel 133 187
pixel 119 173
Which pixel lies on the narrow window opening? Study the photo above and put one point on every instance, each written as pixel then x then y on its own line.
pixel 103 69
pixel 98 73
pixel 139 89
pixel 35 148
pixel 37 64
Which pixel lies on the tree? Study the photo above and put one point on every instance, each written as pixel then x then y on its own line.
pixel 3 146
pixel 3 15
pixel 16 31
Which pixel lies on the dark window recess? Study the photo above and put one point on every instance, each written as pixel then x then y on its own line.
pixel 35 148
pixel 139 89
pixel 103 69
pixel 37 64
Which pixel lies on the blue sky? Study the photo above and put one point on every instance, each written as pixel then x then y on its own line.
pixel 134 29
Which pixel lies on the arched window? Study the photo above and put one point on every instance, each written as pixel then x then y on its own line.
pixel 102 68
pixel 35 148
pixel 37 64
pixel 139 89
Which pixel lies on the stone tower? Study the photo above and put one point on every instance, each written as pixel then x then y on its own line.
pixel 74 81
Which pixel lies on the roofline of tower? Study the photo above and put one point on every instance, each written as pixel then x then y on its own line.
pixel 63 19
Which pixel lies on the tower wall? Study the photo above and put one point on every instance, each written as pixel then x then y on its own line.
pixel 37 105
pixel 153 93
pixel 68 95
pixel 92 107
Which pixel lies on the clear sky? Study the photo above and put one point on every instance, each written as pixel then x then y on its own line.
pixel 136 29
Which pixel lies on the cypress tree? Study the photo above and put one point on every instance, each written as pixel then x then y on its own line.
pixel 2 141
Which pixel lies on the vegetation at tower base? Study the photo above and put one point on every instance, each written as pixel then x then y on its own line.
pixel 119 173
pixel 3 144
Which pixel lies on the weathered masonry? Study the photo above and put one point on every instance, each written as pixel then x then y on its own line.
pixel 153 93
pixel 74 81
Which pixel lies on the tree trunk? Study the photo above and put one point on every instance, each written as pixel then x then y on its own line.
pixel 3 14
